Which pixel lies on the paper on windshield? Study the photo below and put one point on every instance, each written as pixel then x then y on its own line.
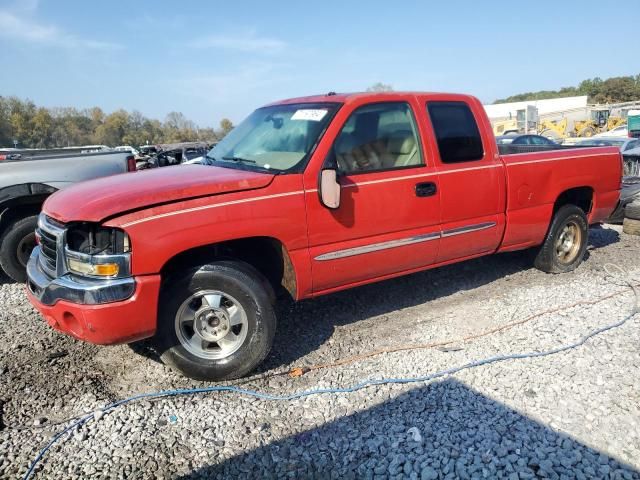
pixel 314 115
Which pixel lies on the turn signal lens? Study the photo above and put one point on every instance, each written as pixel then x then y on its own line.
pixel 106 269
pixel 102 270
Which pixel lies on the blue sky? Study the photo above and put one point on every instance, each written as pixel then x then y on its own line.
pixel 222 59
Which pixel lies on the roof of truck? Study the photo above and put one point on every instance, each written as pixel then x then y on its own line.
pixel 346 97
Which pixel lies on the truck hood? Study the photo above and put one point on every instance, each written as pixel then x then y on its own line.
pixel 96 200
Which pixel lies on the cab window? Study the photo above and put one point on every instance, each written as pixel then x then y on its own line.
pixel 381 136
pixel 456 132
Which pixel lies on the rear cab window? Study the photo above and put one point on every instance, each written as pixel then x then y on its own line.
pixel 456 131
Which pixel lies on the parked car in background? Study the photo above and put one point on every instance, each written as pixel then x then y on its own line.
pixel 631 159
pixel 524 139
pixel 127 148
pixel 622 143
pixel 175 154
pixel 25 183
pixel 620 131
pixel 147 150
pixel 91 148
pixel 306 197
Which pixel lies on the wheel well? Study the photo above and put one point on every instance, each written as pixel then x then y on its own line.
pixel 23 210
pixel 581 197
pixel 266 254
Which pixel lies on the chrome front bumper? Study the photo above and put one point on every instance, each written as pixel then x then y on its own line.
pixel 68 287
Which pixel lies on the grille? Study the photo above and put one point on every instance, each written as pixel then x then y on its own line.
pixel 49 231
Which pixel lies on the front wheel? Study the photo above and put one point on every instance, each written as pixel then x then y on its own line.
pixel 16 246
pixel 215 322
pixel 566 241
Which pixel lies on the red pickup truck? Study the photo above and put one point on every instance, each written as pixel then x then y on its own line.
pixel 307 196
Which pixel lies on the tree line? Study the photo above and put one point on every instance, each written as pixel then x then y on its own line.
pixel 610 90
pixel 39 127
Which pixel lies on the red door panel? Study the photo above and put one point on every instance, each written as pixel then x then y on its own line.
pixel 381 228
pixel 471 200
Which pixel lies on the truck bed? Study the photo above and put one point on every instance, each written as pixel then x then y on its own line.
pixel 531 191
pixel 58 171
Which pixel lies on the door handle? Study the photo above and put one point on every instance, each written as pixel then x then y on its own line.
pixel 426 189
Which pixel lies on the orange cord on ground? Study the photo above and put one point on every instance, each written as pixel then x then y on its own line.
pixel 299 371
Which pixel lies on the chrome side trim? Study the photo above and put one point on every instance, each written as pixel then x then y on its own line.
pixel 467 229
pixel 374 247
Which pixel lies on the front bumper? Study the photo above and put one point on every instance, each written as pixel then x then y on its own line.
pixel 97 311
pixel 86 291
pixel 629 192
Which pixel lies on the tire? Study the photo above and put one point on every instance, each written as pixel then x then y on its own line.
pixel 632 210
pixel 631 226
pixel 16 245
pixel 558 253
pixel 587 132
pixel 232 312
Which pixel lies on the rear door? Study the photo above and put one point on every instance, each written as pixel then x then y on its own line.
pixel 388 219
pixel 471 180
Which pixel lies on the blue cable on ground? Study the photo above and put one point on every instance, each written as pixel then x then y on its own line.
pixel 322 391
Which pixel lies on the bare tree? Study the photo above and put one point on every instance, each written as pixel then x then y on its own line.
pixel 380 87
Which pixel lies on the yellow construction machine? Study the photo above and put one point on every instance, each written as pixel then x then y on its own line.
pixel 525 121
pixel 556 129
pixel 504 127
pixel 601 121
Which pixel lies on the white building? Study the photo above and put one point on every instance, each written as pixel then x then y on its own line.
pixel 546 108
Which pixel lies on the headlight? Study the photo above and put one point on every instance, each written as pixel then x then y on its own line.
pixel 95 251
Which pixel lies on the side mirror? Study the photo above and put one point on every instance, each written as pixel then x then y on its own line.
pixel 330 188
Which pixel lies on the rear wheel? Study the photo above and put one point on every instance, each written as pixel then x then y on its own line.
pixel 16 245
pixel 566 241
pixel 216 322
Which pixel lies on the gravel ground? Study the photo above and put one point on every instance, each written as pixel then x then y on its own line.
pixel 575 414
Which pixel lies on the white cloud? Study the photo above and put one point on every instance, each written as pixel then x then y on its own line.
pixel 243 43
pixel 21 28
pixel 245 79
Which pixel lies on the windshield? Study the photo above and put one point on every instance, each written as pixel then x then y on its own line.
pixel 278 138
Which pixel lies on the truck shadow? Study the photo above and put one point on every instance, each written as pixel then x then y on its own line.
pixel 463 433
pixel 600 237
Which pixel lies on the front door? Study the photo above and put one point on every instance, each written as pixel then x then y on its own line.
pixel 388 219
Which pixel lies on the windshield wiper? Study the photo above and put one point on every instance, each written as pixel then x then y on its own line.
pixel 244 160
pixel 208 159
pixel 239 159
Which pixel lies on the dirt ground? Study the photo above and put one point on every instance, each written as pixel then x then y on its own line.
pixel 46 377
